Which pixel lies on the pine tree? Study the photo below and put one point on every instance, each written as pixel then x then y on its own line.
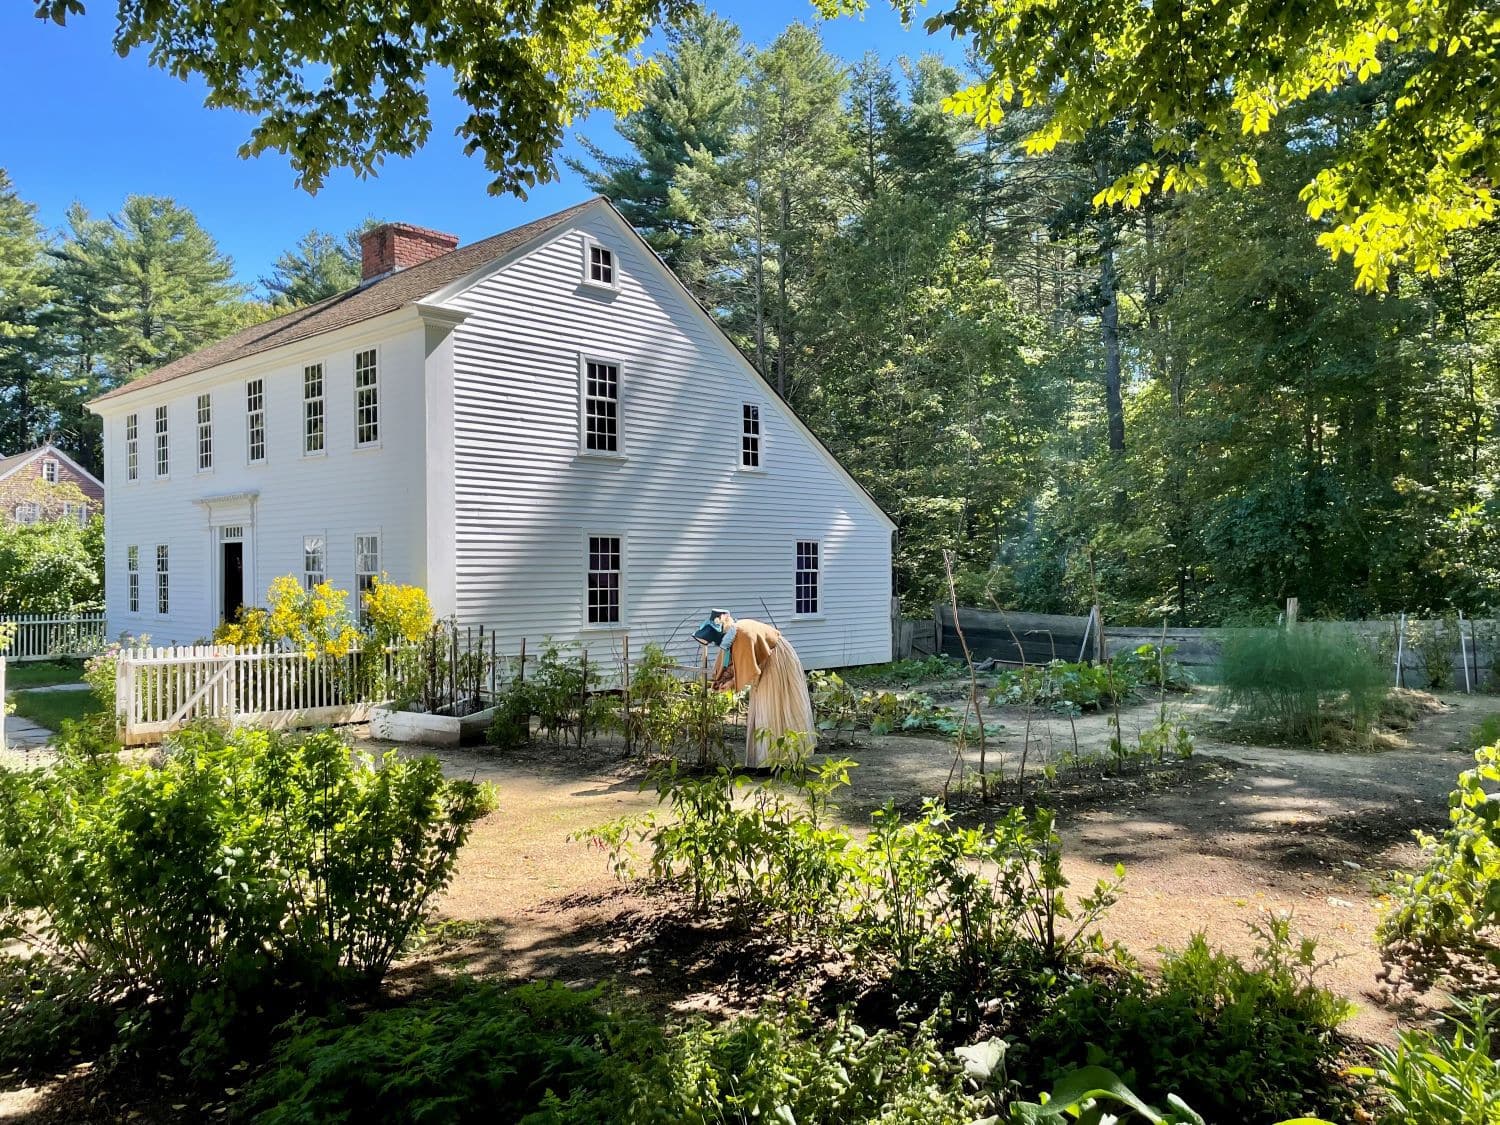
pixel 691 111
pixel 24 293
pixel 321 265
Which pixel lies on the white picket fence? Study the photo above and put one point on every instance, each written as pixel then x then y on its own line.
pixel 160 690
pixel 39 636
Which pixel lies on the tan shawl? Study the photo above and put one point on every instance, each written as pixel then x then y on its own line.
pixel 753 643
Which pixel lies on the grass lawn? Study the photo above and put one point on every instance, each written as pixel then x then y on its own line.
pixel 42 673
pixel 50 708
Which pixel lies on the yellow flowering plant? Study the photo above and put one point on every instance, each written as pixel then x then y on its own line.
pixel 315 621
pixel 396 612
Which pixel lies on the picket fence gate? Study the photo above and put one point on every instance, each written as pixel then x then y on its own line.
pixel 41 636
pixel 161 690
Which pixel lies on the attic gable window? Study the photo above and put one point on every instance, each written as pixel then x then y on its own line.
pixel 598 265
pixel 49 470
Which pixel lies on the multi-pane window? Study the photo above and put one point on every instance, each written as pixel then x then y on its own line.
pixel 366 568
pixel 205 433
pixel 163 449
pixel 163 581
pixel 255 419
pixel 366 398
pixel 750 436
pixel 133 577
pixel 132 447
pixel 28 512
pixel 601 264
pixel 49 471
pixel 806 589
pixel 601 407
pixel 312 408
pixel 78 513
pixel 604 580
pixel 314 561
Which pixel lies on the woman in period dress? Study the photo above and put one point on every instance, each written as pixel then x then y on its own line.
pixel 758 656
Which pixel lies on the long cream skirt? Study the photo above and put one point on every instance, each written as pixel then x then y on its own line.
pixel 778 703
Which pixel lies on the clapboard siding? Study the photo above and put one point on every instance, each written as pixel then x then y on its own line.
pixel 341 494
pixel 697 531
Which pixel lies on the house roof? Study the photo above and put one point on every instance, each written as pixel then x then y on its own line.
pixel 16 461
pixel 376 298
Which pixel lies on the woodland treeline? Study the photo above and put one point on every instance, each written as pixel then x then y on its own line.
pixel 1184 405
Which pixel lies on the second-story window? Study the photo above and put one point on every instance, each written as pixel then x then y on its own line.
pixel 49 471
pixel 750 436
pixel 205 433
pixel 255 419
pixel 312 408
pixel 366 398
pixel 163 447
pixel 601 407
pixel 132 447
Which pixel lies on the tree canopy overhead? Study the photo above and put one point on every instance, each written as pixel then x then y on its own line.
pixel 1206 78
pixel 342 85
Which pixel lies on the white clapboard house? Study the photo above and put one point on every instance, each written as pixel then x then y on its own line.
pixel 543 429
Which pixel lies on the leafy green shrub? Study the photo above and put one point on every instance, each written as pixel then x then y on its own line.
pixel 1487 733
pixel 1291 682
pixel 1456 893
pixel 544 1053
pixel 953 906
pixel 1238 1042
pixel 477 1053
pixel 239 860
pixel 1446 1078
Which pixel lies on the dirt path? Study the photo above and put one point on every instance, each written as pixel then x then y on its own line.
pixel 1271 830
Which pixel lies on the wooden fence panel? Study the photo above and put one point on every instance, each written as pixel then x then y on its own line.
pixel 41 636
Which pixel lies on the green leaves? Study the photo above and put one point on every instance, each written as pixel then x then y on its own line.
pixel 1408 179
pixel 344 85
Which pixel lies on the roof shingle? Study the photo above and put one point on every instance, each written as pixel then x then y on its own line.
pixel 375 299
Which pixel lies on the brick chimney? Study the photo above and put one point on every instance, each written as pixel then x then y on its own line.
pixel 398 246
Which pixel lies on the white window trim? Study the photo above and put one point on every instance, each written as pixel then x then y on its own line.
pixel 322 399
pixel 133 446
pixel 596 627
pixel 50 464
pixel 161 439
pixel 249 414
pixel 354 381
pixel 199 427
pixel 822 570
pixel 32 510
pixel 619 452
pixel 611 286
pixel 759 468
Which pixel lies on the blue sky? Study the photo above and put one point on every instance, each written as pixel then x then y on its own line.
pixel 84 124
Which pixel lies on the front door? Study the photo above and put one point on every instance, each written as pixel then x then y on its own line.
pixel 232 567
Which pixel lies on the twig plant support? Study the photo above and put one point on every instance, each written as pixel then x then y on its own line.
pixel 973 705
